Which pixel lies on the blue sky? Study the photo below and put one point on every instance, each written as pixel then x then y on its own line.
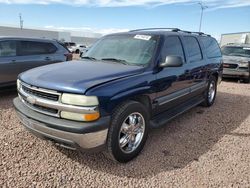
pixel 109 16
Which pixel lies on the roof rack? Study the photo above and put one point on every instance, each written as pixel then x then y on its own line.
pixel 173 30
pixel 160 28
pixel 197 33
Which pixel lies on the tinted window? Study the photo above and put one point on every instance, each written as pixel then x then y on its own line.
pixel 211 46
pixel 193 49
pixel 36 48
pixel 7 48
pixel 173 46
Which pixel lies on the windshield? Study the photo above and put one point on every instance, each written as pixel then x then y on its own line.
pixel 236 51
pixel 126 49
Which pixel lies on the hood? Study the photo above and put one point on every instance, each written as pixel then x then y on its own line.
pixel 77 76
pixel 235 59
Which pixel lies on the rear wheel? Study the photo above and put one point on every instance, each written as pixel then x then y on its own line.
pixel 128 131
pixel 210 93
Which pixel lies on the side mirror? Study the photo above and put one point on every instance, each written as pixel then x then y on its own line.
pixel 172 61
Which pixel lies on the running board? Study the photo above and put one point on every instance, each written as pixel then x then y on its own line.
pixel 161 119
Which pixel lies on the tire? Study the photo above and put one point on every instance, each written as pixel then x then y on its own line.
pixel 123 115
pixel 210 93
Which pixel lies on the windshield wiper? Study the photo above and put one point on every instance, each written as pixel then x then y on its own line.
pixel 88 57
pixel 116 60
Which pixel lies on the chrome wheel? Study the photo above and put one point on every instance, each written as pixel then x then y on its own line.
pixel 211 92
pixel 131 132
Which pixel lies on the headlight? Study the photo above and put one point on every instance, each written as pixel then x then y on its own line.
pixel 80 117
pixel 79 100
pixel 243 64
pixel 18 84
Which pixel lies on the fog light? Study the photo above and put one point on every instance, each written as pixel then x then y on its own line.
pixel 80 117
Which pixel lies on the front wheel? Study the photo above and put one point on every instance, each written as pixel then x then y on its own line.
pixel 210 93
pixel 128 131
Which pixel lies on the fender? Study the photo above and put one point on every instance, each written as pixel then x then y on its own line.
pixel 121 97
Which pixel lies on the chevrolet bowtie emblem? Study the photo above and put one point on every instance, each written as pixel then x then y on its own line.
pixel 31 100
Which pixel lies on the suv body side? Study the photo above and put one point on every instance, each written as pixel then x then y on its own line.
pixel 170 86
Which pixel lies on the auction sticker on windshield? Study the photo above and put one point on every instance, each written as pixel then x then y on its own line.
pixel 142 37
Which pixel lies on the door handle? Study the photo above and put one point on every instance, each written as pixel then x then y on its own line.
pixel 13 61
pixel 47 59
pixel 187 71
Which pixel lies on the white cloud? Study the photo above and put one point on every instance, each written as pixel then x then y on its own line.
pixel 214 4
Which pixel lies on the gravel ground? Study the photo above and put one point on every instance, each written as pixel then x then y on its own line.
pixel 203 147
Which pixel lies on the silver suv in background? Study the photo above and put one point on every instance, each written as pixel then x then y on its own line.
pixel 236 58
pixel 20 54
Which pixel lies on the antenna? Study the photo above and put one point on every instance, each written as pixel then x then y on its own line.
pixel 21 20
pixel 203 7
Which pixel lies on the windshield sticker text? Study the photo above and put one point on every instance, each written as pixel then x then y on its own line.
pixel 142 37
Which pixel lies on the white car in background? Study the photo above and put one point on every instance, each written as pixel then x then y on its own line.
pixel 72 47
pixel 81 49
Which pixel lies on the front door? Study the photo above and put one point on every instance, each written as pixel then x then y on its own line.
pixel 173 83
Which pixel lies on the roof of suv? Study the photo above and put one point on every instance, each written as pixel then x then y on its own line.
pixel 27 38
pixel 163 31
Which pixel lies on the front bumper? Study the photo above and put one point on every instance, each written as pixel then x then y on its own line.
pixel 235 73
pixel 69 134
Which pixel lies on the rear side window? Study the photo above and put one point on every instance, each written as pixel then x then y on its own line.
pixel 193 49
pixel 36 48
pixel 7 48
pixel 173 47
pixel 211 46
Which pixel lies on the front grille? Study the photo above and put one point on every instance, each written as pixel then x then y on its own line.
pixel 40 94
pixel 244 68
pixel 41 108
pixel 230 66
pixel 26 92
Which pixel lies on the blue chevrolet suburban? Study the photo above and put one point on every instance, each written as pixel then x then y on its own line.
pixel 124 85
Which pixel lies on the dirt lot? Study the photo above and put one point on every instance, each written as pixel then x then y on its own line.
pixel 203 147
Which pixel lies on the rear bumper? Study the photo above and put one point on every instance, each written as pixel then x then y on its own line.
pixel 235 73
pixel 69 134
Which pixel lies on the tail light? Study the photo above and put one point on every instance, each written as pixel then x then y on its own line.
pixel 69 56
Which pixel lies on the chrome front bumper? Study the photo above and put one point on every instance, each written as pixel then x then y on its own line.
pixel 71 135
pixel 234 73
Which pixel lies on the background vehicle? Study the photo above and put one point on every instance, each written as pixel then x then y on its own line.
pixel 125 83
pixel 81 49
pixel 20 54
pixel 236 59
pixel 71 46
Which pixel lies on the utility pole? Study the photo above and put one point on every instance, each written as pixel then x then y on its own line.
pixel 203 7
pixel 21 21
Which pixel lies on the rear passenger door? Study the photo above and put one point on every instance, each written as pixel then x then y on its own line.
pixel 196 64
pixel 32 54
pixel 8 67
pixel 213 55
